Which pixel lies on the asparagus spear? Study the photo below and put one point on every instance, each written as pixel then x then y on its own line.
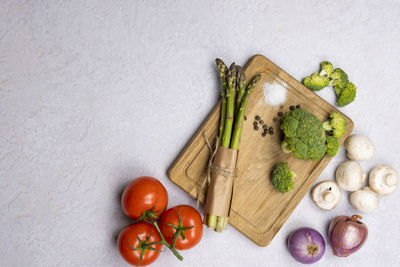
pixel 241 84
pixel 240 115
pixel 230 106
pixel 223 71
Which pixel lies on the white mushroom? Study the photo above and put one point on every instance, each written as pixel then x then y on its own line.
pixel 359 147
pixel 350 176
pixel 383 180
pixel 364 200
pixel 326 195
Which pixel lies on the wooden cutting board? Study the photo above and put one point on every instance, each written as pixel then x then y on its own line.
pixel 258 209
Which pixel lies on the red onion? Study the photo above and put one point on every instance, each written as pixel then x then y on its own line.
pixel 306 245
pixel 347 235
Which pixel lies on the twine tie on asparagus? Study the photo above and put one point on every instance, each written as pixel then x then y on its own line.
pixel 207 178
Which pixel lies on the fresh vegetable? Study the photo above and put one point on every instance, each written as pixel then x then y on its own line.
pixel 332 146
pixel 359 147
pixel 282 177
pixel 144 198
pixel 306 245
pixel 182 226
pixel 316 82
pixel 336 125
pixel 383 180
pixel 326 69
pixel 326 195
pixel 339 78
pixel 345 91
pixel 350 176
pixel 345 95
pixel 365 200
pixel 347 235
pixel 304 135
pixel 234 99
pixel 319 80
pixel 223 72
pixel 139 244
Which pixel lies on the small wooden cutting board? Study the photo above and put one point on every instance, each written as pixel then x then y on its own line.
pixel 258 209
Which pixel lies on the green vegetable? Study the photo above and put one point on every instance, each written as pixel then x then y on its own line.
pixel 223 72
pixel 336 125
pixel 282 177
pixel 345 95
pixel 237 132
pixel 326 69
pixel 339 78
pixel 316 82
pixel 332 146
pixel 230 106
pixel 304 135
pixel 319 80
pixel 235 96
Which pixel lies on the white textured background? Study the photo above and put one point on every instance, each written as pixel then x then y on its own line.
pixel 96 93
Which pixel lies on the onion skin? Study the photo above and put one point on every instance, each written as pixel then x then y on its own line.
pixel 306 245
pixel 347 235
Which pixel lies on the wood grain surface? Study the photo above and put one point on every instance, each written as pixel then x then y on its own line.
pixel 258 209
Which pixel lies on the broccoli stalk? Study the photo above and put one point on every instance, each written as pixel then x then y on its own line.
pixel 335 125
pixel 282 177
pixel 332 146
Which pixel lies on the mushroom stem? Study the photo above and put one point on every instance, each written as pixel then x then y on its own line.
pixel 390 179
pixel 328 196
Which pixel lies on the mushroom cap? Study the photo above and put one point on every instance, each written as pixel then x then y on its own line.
pixel 383 180
pixel 350 176
pixel 326 195
pixel 364 200
pixel 359 147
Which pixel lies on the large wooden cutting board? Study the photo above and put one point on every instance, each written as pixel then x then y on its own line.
pixel 258 209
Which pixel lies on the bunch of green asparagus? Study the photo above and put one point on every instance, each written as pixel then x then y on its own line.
pixel 234 98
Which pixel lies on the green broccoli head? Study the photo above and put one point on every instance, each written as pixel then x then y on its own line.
pixel 326 69
pixel 304 135
pixel 332 146
pixel 282 177
pixel 339 78
pixel 316 82
pixel 336 125
pixel 346 95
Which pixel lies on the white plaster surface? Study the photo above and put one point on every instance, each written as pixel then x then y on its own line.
pixel 96 93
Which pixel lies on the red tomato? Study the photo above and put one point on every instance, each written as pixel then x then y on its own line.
pixel 128 241
pixel 190 217
pixel 144 194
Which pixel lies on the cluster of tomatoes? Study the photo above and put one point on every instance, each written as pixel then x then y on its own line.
pixel 145 200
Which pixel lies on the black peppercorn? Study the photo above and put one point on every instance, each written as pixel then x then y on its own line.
pixel 258 118
pixel 292 107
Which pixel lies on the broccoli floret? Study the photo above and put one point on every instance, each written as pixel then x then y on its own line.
pixel 282 177
pixel 339 78
pixel 332 146
pixel 326 69
pixel 304 135
pixel 346 95
pixel 336 125
pixel 316 82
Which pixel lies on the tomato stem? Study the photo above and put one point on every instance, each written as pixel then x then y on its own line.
pixel 164 242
